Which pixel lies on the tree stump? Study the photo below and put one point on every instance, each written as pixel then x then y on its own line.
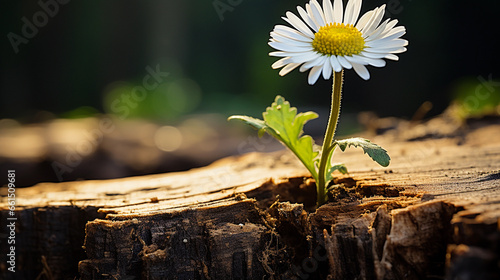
pixel 433 214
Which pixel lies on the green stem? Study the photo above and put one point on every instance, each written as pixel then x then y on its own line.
pixel 330 133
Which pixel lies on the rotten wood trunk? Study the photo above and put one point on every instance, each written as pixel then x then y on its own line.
pixel 433 214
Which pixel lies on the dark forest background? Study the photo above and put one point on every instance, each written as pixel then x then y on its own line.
pixel 216 54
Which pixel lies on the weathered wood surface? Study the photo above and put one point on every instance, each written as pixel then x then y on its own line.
pixel 433 214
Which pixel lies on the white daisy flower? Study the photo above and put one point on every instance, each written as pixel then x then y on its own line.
pixel 325 39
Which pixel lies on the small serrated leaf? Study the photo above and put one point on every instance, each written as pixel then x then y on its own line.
pixel 288 126
pixel 340 167
pixel 377 153
pixel 283 123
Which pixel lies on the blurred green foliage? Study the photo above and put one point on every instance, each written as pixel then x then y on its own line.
pixel 168 101
pixel 477 97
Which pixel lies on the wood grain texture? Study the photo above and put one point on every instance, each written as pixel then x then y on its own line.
pixel 433 213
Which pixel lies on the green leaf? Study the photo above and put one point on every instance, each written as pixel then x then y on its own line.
pixel 258 124
pixel 283 123
pixel 287 126
pixel 376 152
pixel 340 167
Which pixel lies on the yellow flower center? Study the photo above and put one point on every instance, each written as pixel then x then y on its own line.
pixel 338 39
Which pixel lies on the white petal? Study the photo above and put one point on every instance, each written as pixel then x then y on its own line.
pixel 389 26
pixel 288 68
pixel 392 57
pixel 376 62
pixel 348 11
pixel 372 55
pixel 328 10
pixel 364 20
pixel 283 39
pixel 338 11
pixel 304 57
pixel 356 11
pixel 317 62
pixel 395 32
pixel 292 33
pixel 313 63
pixel 374 21
pixel 386 33
pixel 400 50
pixel 345 64
pixel 352 11
pixel 317 12
pixel 361 71
pixel 314 74
pixel 370 17
pixel 311 15
pixel 327 70
pixel 282 62
pixel 298 24
pixel 307 19
pixel 387 36
pixel 304 68
pixel 335 63
pixel 377 34
pixel 288 48
pixel 279 54
pixel 360 59
pixel 387 43
pixel 356 59
pixel 386 50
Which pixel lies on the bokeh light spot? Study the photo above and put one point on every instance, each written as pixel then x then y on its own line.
pixel 168 138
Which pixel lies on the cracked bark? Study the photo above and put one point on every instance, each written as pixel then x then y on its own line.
pixel 435 213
